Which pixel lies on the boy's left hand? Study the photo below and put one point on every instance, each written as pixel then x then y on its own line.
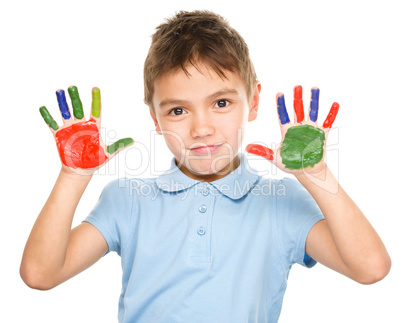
pixel 303 142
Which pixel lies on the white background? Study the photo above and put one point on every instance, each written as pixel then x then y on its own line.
pixel 349 49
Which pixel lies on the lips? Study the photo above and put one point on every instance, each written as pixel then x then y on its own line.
pixel 206 149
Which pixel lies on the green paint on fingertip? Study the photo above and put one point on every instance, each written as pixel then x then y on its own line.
pixel 76 102
pixel 303 146
pixel 96 102
pixel 48 118
pixel 122 143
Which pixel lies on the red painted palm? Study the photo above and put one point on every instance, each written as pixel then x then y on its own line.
pixel 79 143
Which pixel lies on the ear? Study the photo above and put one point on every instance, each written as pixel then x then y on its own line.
pixel 252 114
pixel 156 123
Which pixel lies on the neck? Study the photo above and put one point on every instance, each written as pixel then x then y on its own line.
pixel 234 163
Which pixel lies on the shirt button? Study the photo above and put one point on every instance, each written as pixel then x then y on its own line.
pixel 205 192
pixel 202 208
pixel 201 231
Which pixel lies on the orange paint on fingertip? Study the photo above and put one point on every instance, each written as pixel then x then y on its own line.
pixel 298 103
pixel 331 115
pixel 260 151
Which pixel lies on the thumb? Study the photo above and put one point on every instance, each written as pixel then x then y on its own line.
pixel 119 145
pixel 260 151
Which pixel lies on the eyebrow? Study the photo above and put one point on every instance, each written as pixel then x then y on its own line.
pixel 220 93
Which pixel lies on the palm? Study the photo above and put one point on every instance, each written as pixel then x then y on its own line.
pixel 79 143
pixel 302 145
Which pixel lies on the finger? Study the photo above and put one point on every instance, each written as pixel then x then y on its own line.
pixel 282 112
pixel 119 144
pixel 315 94
pixel 48 118
pixel 96 103
pixel 63 106
pixel 331 116
pixel 76 102
pixel 298 104
pixel 260 151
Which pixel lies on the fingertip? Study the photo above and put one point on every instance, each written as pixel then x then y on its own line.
pixel 298 92
pixel 72 89
pixel 61 95
pixel 73 92
pixel 315 93
pixel 279 94
pixel 129 142
pixel 96 93
pixel 335 105
pixel 43 111
pixel 280 99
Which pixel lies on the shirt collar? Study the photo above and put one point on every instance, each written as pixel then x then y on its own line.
pixel 234 185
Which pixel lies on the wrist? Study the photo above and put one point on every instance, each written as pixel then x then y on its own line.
pixel 308 173
pixel 74 177
pixel 322 180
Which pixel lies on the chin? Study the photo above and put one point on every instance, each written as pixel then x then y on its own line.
pixel 200 167
pixel 209 167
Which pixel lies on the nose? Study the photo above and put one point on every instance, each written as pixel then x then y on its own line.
pixel 202 127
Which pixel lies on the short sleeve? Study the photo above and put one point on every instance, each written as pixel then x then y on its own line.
pixel 297 212
pixel 112 213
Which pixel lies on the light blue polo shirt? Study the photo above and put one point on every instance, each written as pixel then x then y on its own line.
pixel 199 252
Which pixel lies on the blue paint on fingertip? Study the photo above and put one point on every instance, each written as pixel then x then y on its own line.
pixel 315 95
pixel 61 99
pixel 282 112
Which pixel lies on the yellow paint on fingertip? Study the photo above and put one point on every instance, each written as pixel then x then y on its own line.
pixel 96 102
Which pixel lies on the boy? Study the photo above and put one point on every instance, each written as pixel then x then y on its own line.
pixel 213 245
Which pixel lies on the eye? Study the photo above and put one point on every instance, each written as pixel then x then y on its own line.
pixel 221 103
pixel 178 111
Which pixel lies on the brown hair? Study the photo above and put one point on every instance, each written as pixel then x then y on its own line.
pixel 198 36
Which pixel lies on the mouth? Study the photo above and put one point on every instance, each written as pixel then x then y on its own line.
pixel 202 150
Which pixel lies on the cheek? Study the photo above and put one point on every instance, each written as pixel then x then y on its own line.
pixel 234 125
pixel 174 137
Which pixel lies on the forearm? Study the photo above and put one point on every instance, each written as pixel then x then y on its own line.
pixel 358 244
pixel 45 250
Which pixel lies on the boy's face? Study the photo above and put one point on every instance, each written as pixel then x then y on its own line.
pixel 203 110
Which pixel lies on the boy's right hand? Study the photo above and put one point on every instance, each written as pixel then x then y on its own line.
pixel 79 143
